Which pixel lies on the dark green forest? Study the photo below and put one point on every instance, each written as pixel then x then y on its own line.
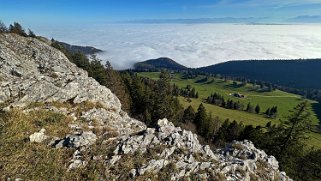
pixel 291 73
pixel 158 64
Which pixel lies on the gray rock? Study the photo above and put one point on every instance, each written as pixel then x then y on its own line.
pixel 133 173
pixel 84 139
pixel 180 146
pixel 76 161
pixel 114 159
pixel 76 164
pixel 153 166
pixel 164 122
pixel 33 71
pixel 38 137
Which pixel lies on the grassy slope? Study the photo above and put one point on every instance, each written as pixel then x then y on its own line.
pixel 285 101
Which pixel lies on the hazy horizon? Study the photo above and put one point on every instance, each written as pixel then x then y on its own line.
pixel 193 45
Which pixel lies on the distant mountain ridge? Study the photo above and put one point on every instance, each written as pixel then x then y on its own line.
pixel 200 20
pixel 88 50
pixel 158 64
pixel 305 19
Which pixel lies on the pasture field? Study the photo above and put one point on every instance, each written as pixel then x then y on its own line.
pixel 283 100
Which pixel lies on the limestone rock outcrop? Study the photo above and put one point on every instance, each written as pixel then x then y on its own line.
pixel 169 145
pixel 33 71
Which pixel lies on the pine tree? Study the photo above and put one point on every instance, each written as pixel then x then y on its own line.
pixel 189 114
pixel 223 103
pixel 192 93
pixel 229 104
pixel 162 97
pixel 249 108
pixel 200 118
pixel 31 34
pixel 17 29
pixel 115 83
pixel 257 109
pixel 213 125
pixel 296 126
pixel 234 130
pixel 286 141
pixel 3 28
pixel 268 112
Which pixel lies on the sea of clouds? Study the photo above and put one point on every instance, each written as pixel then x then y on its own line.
pixel 193 45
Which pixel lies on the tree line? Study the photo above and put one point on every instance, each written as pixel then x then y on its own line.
pixel 219 100
pixel 187 92
pixel 16 28
pixel 258 85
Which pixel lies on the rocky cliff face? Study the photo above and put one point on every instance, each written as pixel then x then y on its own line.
pixel 34 76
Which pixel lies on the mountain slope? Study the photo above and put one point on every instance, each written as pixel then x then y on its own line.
pixel 56 122
pixel 88 50
pixel 158 64
pixel 291 73
pixel 305 19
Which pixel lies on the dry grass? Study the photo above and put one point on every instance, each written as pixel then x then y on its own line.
pixel 80 107
pixel 164 174
pixel 238 146
pixel 126 163
pixel 262 168
pixel 19 157
pixel 30 161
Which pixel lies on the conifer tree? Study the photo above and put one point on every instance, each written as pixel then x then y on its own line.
pixel 296 126
pixel 189 114
pixel 249 108
pixel 31 34
pixel 257 109
pixel 268 112
pixel 200 118
pixel 17 29
pixel 115 83
pixel 162 97
pixel 3 28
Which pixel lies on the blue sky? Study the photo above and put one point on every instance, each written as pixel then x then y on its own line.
pixel 32 12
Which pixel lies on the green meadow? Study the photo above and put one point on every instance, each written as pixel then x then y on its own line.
pixel 283 100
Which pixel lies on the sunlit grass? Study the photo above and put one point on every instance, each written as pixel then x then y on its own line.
pixel 283 100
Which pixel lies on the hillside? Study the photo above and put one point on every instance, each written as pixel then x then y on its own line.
pixel 158 64
pixel 88 50
pixel 290 73
pixel 285 101
pixel 300 74
pixel 57 123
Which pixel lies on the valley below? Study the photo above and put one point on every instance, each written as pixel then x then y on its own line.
pixel 285 101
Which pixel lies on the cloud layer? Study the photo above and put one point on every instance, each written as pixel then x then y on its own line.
pixel 194 45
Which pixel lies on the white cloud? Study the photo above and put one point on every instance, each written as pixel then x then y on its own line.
pixel 194 45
